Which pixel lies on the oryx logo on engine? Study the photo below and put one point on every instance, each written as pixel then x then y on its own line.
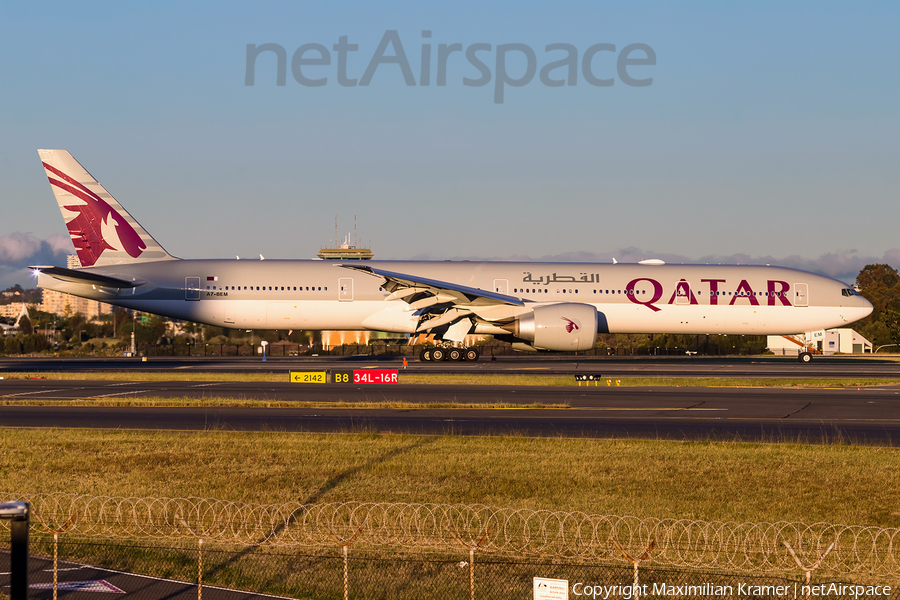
pixel 570 325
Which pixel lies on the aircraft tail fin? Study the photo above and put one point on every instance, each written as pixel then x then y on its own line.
pixel 103 232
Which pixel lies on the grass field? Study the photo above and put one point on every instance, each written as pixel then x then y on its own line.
pixel 231 402
pixel 695 480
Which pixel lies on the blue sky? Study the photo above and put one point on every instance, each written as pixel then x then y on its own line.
pixel 770 133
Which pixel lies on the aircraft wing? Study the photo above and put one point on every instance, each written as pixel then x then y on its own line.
pixel 414 289
pixel 86 278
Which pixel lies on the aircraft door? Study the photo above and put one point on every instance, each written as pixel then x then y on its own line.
pixel 501 286
pixel 683 293
pixel 345 289
pixel 801 294
pixel 191 288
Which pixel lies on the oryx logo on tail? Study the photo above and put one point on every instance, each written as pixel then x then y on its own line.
pixel 97 226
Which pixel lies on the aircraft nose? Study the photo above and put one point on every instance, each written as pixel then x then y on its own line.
pixel 860 308
pixel 866 308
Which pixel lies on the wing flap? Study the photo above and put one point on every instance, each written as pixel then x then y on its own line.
pixel 399 284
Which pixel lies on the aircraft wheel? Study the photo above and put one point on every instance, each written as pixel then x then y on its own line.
pixel 455 354
pixel 438 354
pixel 471 354
pixel 805 357
pixel 425 355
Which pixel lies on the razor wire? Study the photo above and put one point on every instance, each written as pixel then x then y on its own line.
pixel 683 543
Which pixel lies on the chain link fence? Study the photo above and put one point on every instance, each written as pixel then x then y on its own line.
pixel 373 550
pixel 180 570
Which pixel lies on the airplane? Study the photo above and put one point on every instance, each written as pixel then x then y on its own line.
pixel 535 306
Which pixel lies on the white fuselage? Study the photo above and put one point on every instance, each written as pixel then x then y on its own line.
pixel 629 298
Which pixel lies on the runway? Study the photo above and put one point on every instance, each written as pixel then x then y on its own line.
pixel 545 364
pixel 868 415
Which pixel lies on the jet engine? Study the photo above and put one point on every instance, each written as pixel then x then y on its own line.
pixel 563 327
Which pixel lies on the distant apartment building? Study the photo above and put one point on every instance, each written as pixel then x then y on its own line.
pixel 12 311
pixel 59 303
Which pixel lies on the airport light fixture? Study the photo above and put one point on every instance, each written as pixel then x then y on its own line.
pixel 19 514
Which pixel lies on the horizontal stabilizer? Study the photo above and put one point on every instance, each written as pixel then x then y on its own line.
pixel 85 278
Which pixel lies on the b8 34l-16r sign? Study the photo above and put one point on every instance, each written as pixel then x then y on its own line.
pixel 536 306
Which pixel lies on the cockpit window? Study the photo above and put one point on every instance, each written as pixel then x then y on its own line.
pixel 848 292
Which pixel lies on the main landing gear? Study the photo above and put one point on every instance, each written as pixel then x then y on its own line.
pixel 441 353
pixel 805 357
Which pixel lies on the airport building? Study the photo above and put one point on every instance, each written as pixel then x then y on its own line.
pixel 825 341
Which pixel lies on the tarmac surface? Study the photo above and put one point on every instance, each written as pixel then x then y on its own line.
pixel 861 415
pixel 76 580
pixel 542 364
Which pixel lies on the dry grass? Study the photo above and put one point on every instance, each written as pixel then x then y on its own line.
pixel 253 403
pixel 693 480
pixel 173 375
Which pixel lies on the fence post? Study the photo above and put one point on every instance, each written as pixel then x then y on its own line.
pixel 636 562
pixel 199 537
pixel 200 569
pixel 346 550
pixel 345 545
pixel 472 548
pixel 56 533
pixel 807 571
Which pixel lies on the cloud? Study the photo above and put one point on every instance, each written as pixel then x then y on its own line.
pixel 20 250
pixel 843 265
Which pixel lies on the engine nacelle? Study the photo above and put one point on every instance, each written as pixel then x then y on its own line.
pixel 563 327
